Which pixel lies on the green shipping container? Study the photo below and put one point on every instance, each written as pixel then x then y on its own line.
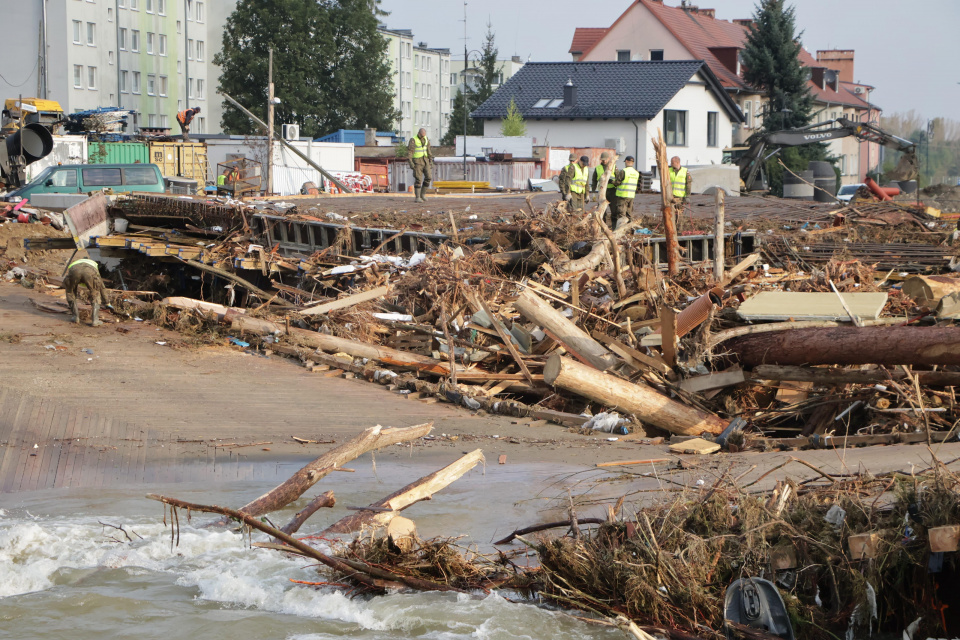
pixel 117 152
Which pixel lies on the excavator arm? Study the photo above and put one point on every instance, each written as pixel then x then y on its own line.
pixel 751 164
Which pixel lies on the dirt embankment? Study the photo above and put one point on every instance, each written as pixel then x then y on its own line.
pixel 12 253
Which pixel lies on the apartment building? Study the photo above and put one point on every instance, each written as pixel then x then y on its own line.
pixel 506 69
pixel 154 57
pixel 421 84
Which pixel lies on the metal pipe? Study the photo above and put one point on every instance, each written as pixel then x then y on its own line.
pixel 326 174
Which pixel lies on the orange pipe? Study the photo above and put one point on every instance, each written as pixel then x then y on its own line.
pixel 883 193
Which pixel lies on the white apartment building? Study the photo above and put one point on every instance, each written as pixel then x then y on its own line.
pixel 506 68
pixel 154 57
pixel 421 84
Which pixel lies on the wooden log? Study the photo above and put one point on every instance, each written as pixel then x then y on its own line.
pixel 343 303
pixel 189 303
pixel 382 512
pixel 640 400
pixel 741 266
pixel 258 326
pixel 543 527
pixel 851 376
pixel 323 500
pixel 534 308
pixel 850 345
pixel 718 229
pixel 368 440
pixel 386 355
pixel 729 334
pixel 666 194
pixel 402 533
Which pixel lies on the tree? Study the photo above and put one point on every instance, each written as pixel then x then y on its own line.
pixel 487 74
pixel 771 58
pixel 330 69
pixel 513 124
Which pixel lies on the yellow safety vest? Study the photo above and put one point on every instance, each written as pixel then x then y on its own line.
pixel 221 180
pixel 628 188
pixel 420 148
pixel 85 261
pixel 579 182
pixel 679 181
pixel 600 171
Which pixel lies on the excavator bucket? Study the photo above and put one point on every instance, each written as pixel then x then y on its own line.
pixel 908 168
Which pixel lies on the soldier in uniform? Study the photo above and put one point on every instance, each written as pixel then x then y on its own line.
pixel 420 161
pixel 85 272
pixel 626 182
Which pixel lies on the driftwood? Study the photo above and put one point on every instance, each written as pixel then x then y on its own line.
pixel 666 194
pixel 372 577
pixel 640 400
pixel 573 338
pixel 369 440
pixel 850 345
pixel 348 301
pixel 543 527
pixel 323 500
pixel 852 376
pixel 386 355
pixel 382 512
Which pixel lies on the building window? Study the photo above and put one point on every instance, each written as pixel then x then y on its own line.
pixel 179 66
pixel 162 85
pixel 122 39
pixel 135 85
pixel 124 81
pixel 150 38
pixel 712 128
pixel 134 40
pixel 201 124
pixel 162 7
pixel 453 79
pixel 623 56
pixel 179 27
pixel 78 76
pixel 122 4
pixel 110 57
pixel 675 127
pixel 163 122
pixel 189 10
pixel 149 6
pixel 91 34
pixel 656 54
pixel 200 12
pixel 429 64
pixel 152 120
pixel 747 114
pixel 109 14
pixel 416 62
pixel 200 50
pixel 163 44
pixel 77 32
pixel 91 77
pixel 134 5
pixel 199 88
pixel 189 49
pixel 190 88
pixel 151 84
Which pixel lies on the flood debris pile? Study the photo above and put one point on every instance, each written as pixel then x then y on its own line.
pixel 853 554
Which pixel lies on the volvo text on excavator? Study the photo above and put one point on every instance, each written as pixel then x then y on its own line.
pixel 751 163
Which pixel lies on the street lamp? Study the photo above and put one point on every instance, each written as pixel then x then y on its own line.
pixel 465 75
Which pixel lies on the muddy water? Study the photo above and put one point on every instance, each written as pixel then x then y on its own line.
pixel 62 573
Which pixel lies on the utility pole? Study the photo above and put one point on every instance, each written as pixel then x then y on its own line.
pixel 269 187
pixel 466 107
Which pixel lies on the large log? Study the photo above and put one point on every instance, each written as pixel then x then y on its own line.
pixel 851 376
pixel 640 400
pixel 386 355
pixel 368 440
pixel 850 345
pixel 422 489
pixel 536 309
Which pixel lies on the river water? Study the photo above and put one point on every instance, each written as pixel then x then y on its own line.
pixel 63 575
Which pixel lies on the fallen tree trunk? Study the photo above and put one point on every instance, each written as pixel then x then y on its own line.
pixel 750 329
pixel 422 489
pixel 323 500
pixel 850 345
pixel 536 309
pixel 386 355
pixel 369 440
pixel 640 400
pixel 851 376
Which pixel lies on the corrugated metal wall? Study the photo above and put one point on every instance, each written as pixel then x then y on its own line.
pixel 509 175
pixel 117 152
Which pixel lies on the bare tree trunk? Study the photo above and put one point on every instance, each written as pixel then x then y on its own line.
pixel 422 489
pixel 851 376
pixel 323 500
pixel 370 439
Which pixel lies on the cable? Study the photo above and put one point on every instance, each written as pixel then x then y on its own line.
pixel 25 81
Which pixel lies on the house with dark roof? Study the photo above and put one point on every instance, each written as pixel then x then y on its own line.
pixel 653 30
pixel 620 105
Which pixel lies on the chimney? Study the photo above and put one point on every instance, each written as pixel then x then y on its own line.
pixel 569 94
pixel 840 60
pixel 817 76
pixel 515 59
pixel 746 23
pixel 709 13
pixel 369 137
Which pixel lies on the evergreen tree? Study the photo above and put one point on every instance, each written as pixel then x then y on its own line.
pixel 329 65
pixel 488 74
pixel 771 60
pixel 513 124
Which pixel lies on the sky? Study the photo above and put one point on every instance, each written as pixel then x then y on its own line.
pixel 909 51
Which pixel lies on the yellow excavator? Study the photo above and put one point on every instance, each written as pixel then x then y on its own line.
pixel 27 127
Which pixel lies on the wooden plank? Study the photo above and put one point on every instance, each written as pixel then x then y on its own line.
pixel 28 439
pixel 624 351
pixel 343 303
pixel 795 305
pixel 713 381
pixel 668 331
pixel 68 454
pixel 50 446
pixel 696 446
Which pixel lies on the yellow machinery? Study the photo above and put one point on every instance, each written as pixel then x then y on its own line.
pixel 47 113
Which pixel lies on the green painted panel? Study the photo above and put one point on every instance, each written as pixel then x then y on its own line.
pixel 117 153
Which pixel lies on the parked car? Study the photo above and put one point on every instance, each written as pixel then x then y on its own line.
pixel 84 178
pixel 847 191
